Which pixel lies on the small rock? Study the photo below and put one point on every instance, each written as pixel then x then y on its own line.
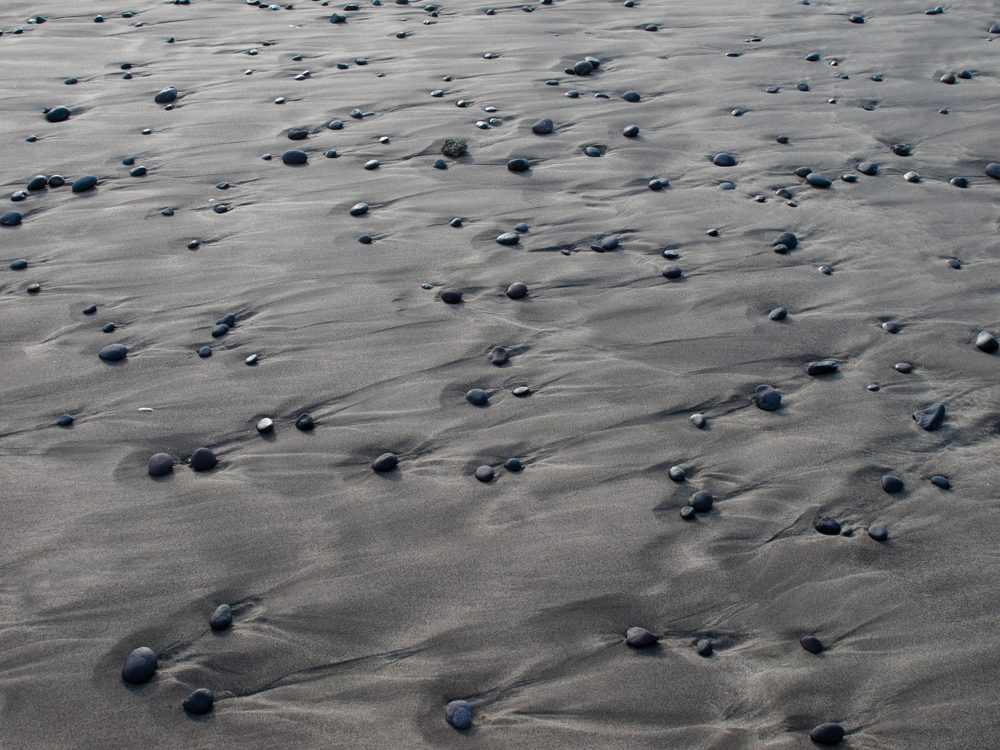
pixel 891 483
pixel 702 501
pixel 822 367
pixel 160 464
pixel 812 644
pixel 704 647
pixel 940 481
pixel 637 637
pixel 778 313
pixel 477 397
pixel 828 733
pixel 221 618
pixel 543 127
pixel 677 473
pixel 385 462
pixel 485 473
pixel 199 702
pixel 459 714
pixel 987 342
pixel 203 459
pixel 113 353
pixel 879 532
pixel 139 666
pixel 265 426
pixel 517 290
pixel 698 420
pixel 451 296
pixel 305 422
pixel 828 526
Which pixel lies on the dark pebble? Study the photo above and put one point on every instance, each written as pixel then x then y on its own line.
pixel 517 290
pixel 65 420
pixel 508 238
pixel 518 165
pixel 687 513
pixel 454 148
pixel 485 473
pixel 522 391
pixel 724 159
pixel 814 57
pixel 818 180
pixel 85 183
pixel 631 131
pixel 166 96
pixel 108 328
pixel 543 127
pixel 672 272
pixel 631 96
pixel 822 367
pixel 385 462
pixel 37 182
pixel 221 618
pixel 220 330
pixel 18 265
pixel 89 309
pixel 903 367
pixel 11 219
pixel 987 342
pixel 359 209
pixel 57 114
pixel 778 313
pixel 199 702
pixel 879 532
pixel 19 196
pixel 782 139
pixel 305 422
pixel 940 481
pixel 890 327
pixel 139 666
pixel 812 644
pixel 704 647
pixel 892 484
pixel 637 637
pixel 869 168
pixel 160 464
pixel 902 149
pixel 930 417
pixel 959 182
pixel 440 164
pixel 113 353
pixel 499 355
pixel 702 501
pixel 477 397
pixel 659 183
pixel 767 398
pixel 294 158
pixel 855 18
pixel 787 240
pixel 205 352
pixel 451 296
pixel 459 713
pixel 677 473
pixel 829 733
pixel 828 526
pixel 138 171
pixel 993 170
pixel 513 464
pixel 203 459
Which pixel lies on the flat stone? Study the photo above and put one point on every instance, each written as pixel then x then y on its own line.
pixel 85 183
pixel 203 459
pixel 687 513
pixel 930 417
pixel 818 180
pixel 941 481
pixel 11 219
pixel 631 131
pixel 65 420
pixel 139 665
pixel 359 209
pixel 869 168
pixel 993 170
pixel 221 618
pixel 673 272
pixel 160 464
pixel 637 637
pixel 821 367
pixel 385 462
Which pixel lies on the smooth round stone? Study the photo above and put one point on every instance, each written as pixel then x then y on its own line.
pixel 930 417
pixel 18 265
pixel 778 313
pixel 517 290
pixel 987 342
pixel 108 328
pixel 802 86
pixel 227 320
pixel 993 170
pixel 812 644
pixel 767 398
pixel 71 81
pixel 128 161
pixel 803 172
pixel 19 196
pixel 631 131
pixel 959 182
pixel 673 272
pixel 724 159
pixel 477 397
pixel 849 177
pixel 85 183
pixel 787 240
pixel 372 164
pixel 65 420
pixel 855 18
pixel 205 352
pixel 702 501
pixel 892 484
pixel 160 464
pixel 637 637
pixel 818 180
pixel 440 164
pixel 869 168
pixel 485 473
pixel 741 112
pixel 912 177
pixel 955 263
pixel 166 96
pixel 902 149
pixel 221 618
pixel 631 96
pixel 57 114
pixel 879 532
pixel 499 355
pixel 704 647
pixel 32 139
pixel 220 330
pixel 949 78
pixel 828 526
pixel 593 151
pixel 940 481
pixel 385 462
pixel 10 219
pixel 113 353
pixel 451 296
pixel 513 464
pixel 572 94
pixel 825 270
pixel 677 473
pixel 890 327
pixel 782 139
pixel 222 208
pixel 199 702
pixel 814 57
pixel 659 183
pixel 521 391
pixel 456 222
pixel 822 367
pixel 521 228
pixel 508 238
pixel 34 288
pixel 265 425
pixel 698 420
pixel 687 513
pixel 139 666
pixel 38 182
pixel 543 127
pixel 671 254
pixel 519 165
pixel 203 459
pixel 138 171
pixel 829 733
pixel 459 713
pixel 294 158
pixel 903 367
pixel 359 209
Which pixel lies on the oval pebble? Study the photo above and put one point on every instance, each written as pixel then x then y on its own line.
pixel 517 290
pixel 638 637
pixel 941 481
pixel 139 665
pixel 113 353
pixel 698 420
pixel 687 513
pixel 778 313
pixel 879 532
pixel 724 159
pixel 818 180
pixel 160 464
pixel 987 342
pixel 477 397
pixel 221 618
pixel 673 272
pixel 199 702
pixel 203 459
pixel 508 238
pixel 822 367
pixel 265 426
pixel 891 483
pixel 704 647
pixel 828 526
pixel 385 462
pixel 85 183
pixel 812 644
pixel 459 714
pixel 65 420
pixel 518 165
pixel 359 209
pixel 993 170
pixel 165 96
pixel 521 391
pixel 57 114
pixel 702 501
pixel 499 355
pixel 10 219
pixel 37 182
pixel 631 96
pixel 677 473
pixel 767 398
pixel 294 157
pixel 485 473
pixel 543 127
pixel 205 352
pixel 513 464
pixel 451 296
pixel 829 733
pixel 305 422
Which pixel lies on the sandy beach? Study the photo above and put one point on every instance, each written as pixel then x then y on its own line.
pixel 365 600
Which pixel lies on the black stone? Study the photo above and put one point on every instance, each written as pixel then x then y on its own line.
pixel 517 290
pixel 221 618
pixel 702 501
pixel 203 459
pixel 499 355
pixel 454 148
pixel 543 127
pixel 778 313
pixel 166 96
pixel 108 328
pixel 704 647
pixel 828 526
pixel 113 353
pixel 305 422
pixel 724 159
pixel 508 238
pixel 687 513
pixel 160 464
pixel 205 352
pixel 459 713
pixel 940 481
pixel 18 265
pixel 930 417
pixel 294 158
pixel 89 309
pixel 993 170
pixel 199 702
pixel 65 420
pixel 677 473
pixel 637 637
pixel 385 462
pixel 56 180
pixel 38 182
pixel 818 180
pixel 767 398
pixel 57 114
pixel 631 96
pixel 828 733
pixel 451 296
pixel 477 397
pixel 902 149
pixel 787 240
pixel 85 183
pixel 220 330
pixel 812 644
pixel 891 483
pixel 855 18
pixel 519 165
pixel 673 272
pixel 139 666
pixel 513 464
pixel 869 168
pixel 987 342
pixel 359 209
pixel 821 367
pixel 485 473
pixel 959 182
pixel 11 219
pixel 138 171
pixel 631 131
